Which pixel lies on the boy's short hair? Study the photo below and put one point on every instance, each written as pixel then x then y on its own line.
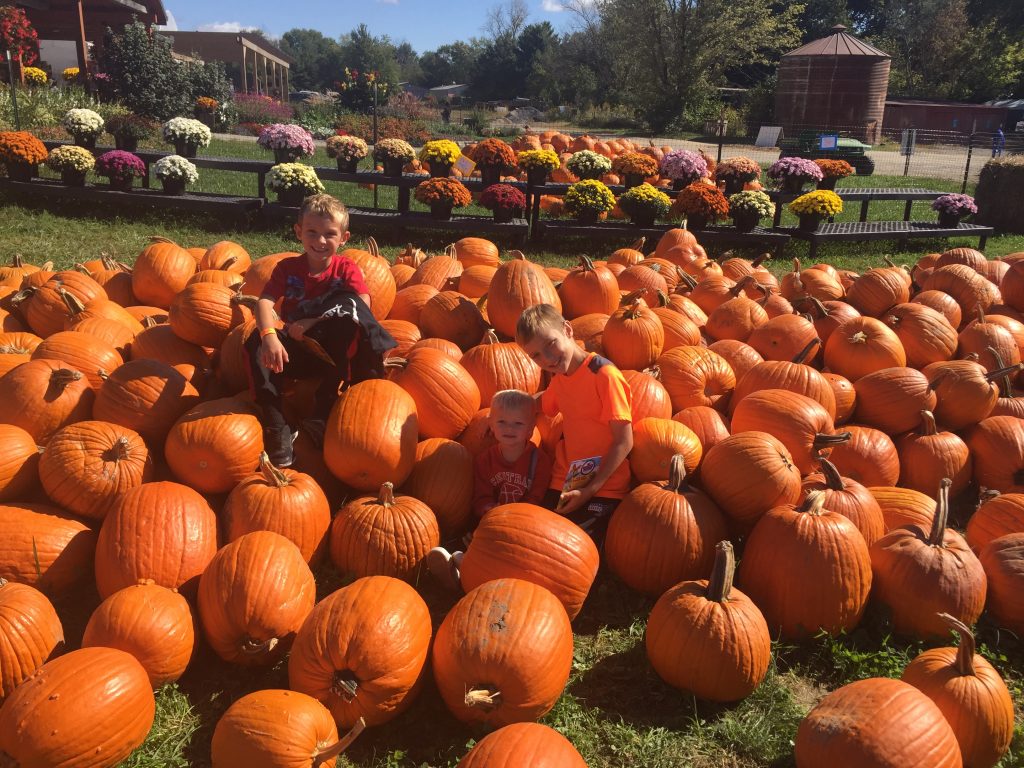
pixel 325 205
pixel 535 318
pixel 512 399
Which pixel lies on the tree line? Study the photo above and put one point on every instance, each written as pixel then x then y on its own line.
pixel 662 60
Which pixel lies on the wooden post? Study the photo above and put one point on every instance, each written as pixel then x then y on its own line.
pixel 287 85
pixel 83 51
pixel 266 79
pixel 245 75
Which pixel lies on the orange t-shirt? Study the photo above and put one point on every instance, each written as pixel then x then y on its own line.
pixel 588 399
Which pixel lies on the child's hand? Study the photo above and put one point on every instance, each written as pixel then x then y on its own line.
pixel 570 501
pixel 273 355
pixel 298 328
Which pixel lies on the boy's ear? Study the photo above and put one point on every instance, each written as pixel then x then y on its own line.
pixel 345 236
pixel 567 328
pixel 298 229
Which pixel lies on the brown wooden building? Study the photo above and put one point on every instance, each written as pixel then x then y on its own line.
pixel 943 115
pixel 255 64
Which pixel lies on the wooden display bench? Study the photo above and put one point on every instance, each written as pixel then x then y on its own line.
pixel 885 230
pixel 772 240
pixel 196 202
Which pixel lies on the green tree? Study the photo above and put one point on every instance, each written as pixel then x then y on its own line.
pixel 363 52
pixel 317 59
pixel 409 70
pixel 452 63
pixel 141 73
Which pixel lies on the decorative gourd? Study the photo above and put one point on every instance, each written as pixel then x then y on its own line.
pixel 920 573
pixel 89 708
pixel 362 651
pixel 523 744
pixel 442 478
pixel 502 655
pixel 848 498
pixel 283 501
pixel 161 531
pixel 708 638
pixel 30 634
pixel 655 443
pixel 152 623
pixel 929 455
pixel 892 399
pixel 496 365
pixel 518 284
pixel 19 462
pixel 445 393
pixel 970 694
pixel 869 457
pixel 253 597
pixel 383 535
pixel 876 723
pixel 997 516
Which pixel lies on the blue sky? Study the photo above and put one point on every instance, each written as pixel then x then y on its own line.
pixel 426 24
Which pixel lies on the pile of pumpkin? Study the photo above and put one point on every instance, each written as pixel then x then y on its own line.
pixel 824 419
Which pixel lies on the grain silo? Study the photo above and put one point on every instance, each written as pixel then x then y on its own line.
pixel 838 82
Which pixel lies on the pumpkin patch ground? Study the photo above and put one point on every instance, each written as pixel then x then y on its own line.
pixel 851 428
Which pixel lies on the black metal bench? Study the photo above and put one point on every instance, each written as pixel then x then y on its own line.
pixel 886 230
pixel 774 241
pixel 863 195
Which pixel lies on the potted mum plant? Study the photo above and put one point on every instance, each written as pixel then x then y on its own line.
pixel 21 153
pixel 128 130
pixel 393 153
pixel 537 163
pixel 84 125
pixel 440 155
pixel 792 173
pixel 293 182
pixel 493 157
pixel 587 164
pixel 588 199
pixel 747 208
pixel 832 171
pixel 442 194
pixel 120 168
pixel 634 167
pixel 205 109
pixel 952 208
pixel 175 172
pixel 683 167
pixel 348 151
pixel 735 172
pixel 700 203
pixel 187 135
pixel 644 203
pixel 72 163
pixel 288 142
pixel 504 201
pixel 815 206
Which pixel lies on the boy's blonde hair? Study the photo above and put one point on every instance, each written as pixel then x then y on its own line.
pixel 535 318
pixel 513 399
pixel 325 205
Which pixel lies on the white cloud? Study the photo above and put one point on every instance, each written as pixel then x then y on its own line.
pixel 552 6
pixel 172 23
pixel 220 26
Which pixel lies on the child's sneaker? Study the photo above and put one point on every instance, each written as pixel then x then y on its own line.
pixel 278 445
pixel 443 566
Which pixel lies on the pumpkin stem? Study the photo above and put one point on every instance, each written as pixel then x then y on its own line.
pixel 326 754
pixel 814 504
pixel 821 440
pixel 796 266
pixel 806 351
pixel 677 474
pixel 859 338
pixel 833 480
pixel 61 378
pixel 386 497
pixel 161 239
pixel 251 647
pixel 965 649
pixel 274 476
pixel 760 260
pixel 149 322
pixel 935 538
pixel 742 283
pixel 631 298
pixel 490 337
pixel 484 698
pixel 372 247
pixel 981 313
pixel 1001 372
pixel 517 255
pixel 17 262
pixel 1006 386
pixel 72 302
pixel 586 263
pixel 119 451
pixel 928 426
pixel 720 584
pixel 345 685
pixel 685 278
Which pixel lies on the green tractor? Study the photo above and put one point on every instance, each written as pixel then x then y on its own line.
pixel 807 144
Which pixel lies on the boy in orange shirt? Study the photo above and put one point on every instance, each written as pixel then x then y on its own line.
pixel 590 475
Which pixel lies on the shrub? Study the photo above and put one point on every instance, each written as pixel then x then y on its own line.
pixel 138 70
pixel 413 131
pixel 209 79
pixel 1000 203
pixel 259 109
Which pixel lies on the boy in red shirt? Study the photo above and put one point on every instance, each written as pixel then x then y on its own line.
pixel 325 306
pixel 591 475
pixel 511 471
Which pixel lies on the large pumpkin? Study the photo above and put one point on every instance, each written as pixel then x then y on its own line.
pixel 450 315
pixel 204 313
pixel 869 457
pixel 696 376
pixel 47 309
pixel 445 394
pixel 998 516
pixel 1003 560
pixel 19 462
pixel 473 251
pixel 516 285
pixel 41 396
pixel 442 478
pixel 892 399
pixel 926 335
pixel 161 271
pixel 655 443
pixel 146 396
pixel 377 274
pixel 928 455
pixel 522 744
pixel 82 352
pixel 44 547
pixel 861 346
pixel 496 365
pixel 848 498
pixel 30 634
pixel 362 650
pixel 589 288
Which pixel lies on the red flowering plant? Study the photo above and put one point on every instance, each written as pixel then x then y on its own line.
pixel 118 164
pixel 21 147
pixel 494 152
pixel 17 35
pixel 635 163
pixel 444 190
pixel 502 197
pixel 700 199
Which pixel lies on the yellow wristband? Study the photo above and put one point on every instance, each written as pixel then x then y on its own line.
pixel 267 332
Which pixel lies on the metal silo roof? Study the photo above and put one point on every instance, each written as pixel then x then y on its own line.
pixel 838 44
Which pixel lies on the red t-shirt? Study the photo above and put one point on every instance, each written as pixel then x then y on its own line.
pixel 497 481
pixel 590 397
pixel 292 283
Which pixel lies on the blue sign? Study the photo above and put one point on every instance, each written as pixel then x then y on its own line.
pixel 829 141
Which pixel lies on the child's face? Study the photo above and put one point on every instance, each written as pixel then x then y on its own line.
pixel 321 236
pixel 512 427
pixel 552 349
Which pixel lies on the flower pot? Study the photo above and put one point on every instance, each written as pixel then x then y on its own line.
pixel 793 185
pixel 594 175
pixel 292 196
pixel 733 185
pixel 829 182
pixel 537 177
pixel 809 221
pixel 173 186
pixel 949 220
pixel 490 174
pixel 393 167
pixel 185 148
pixel 21 171
pixel 504 215
pixel 126 143
pixel 88 142
pixel 438 169
pixel 645 219
pixel 587 217
pixel 745 221
pixel 679 184
pixel 348 166
pixel 286 155
pixel 633 180
pixel 206 118
pixel 441 211
pixel 121 184
pixel 696 222
pixel 72 178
